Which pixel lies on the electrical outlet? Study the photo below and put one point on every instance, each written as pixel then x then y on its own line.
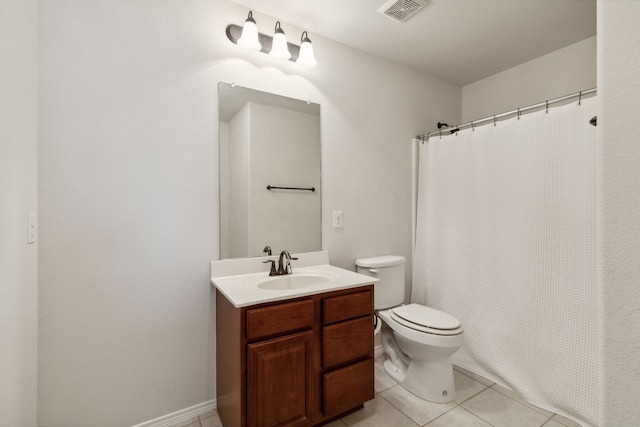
pixel 338 219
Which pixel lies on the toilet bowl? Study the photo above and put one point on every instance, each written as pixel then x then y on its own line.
pixel 418 341
pixel 420 361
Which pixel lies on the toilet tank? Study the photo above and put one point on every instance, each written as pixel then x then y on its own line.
pixel 389 291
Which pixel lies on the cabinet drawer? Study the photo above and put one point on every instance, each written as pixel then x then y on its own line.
pixel 346 342
pixel 348 387
pixel 343 307
pixel 279 319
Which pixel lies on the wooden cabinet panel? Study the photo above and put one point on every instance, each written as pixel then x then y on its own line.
pixel 346 342
pixel 344 307
pixel 295 363
pixel 279 319
pixel 348 387
pixel 229 363
pixel 278 377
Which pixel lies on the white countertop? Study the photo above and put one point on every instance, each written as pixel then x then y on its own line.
pixel 243 289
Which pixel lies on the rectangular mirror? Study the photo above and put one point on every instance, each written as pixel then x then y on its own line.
pixel 270 188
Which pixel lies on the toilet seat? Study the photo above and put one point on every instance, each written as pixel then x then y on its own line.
pixel 426 319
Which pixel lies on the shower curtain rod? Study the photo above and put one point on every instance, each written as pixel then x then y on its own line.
pixel 518 112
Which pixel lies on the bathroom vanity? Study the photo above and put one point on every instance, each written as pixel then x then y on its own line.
pixel 303 358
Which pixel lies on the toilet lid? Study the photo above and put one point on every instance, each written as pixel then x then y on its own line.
pixel 426 319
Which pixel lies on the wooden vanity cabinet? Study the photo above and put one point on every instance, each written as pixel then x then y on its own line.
pixel 299 362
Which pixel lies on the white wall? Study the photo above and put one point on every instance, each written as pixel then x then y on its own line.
pixel 618 94
pixel 18 197
pixel 563 72
pixel 128 189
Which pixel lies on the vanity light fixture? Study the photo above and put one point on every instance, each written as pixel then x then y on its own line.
pixel 276 46
pixel 249 37
pixel 279 48
pixel 306 57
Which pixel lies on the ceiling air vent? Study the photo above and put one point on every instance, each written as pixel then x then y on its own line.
pixel 401 10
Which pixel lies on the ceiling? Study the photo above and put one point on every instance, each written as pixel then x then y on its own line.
pixel 461 41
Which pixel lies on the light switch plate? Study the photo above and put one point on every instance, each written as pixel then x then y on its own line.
pixel 338 219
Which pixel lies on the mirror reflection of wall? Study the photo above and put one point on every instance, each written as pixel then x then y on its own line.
pixel 268 140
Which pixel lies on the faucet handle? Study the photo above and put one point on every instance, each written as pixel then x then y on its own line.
pixel 273 271
pixel 287 266
pixel 267 250
pixel 287 255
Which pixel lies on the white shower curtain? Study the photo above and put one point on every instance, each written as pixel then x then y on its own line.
pixel 506 242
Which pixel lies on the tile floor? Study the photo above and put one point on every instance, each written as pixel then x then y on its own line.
pixel 479 403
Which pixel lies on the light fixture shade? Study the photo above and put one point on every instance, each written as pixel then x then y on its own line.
pixel 279 48
pixel 249 38
pixel 306 57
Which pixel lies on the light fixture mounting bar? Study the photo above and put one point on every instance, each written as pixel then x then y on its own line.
pixel 235 31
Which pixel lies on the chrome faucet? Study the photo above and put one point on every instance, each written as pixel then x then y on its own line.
pixel 284 263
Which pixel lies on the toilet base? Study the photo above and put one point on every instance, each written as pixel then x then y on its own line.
pixel 429 380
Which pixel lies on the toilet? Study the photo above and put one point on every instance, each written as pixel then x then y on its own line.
pixel 418 341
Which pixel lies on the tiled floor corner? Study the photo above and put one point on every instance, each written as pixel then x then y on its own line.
pixel 478 403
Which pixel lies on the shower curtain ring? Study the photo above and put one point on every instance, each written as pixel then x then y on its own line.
pixel 546 107
pixel 518 113
pixel 473 127
pixel 494 120
pixel 580 98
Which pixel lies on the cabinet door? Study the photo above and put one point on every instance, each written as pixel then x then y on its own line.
pixel 279 380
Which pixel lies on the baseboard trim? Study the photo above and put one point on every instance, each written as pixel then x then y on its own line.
pixel 182 416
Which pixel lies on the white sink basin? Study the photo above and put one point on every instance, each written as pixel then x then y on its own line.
pixel 294 281
pixel 246 281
